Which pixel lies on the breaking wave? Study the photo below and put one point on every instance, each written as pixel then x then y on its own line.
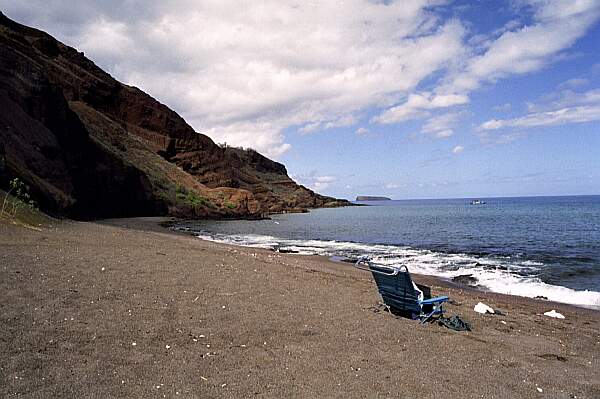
pixel 497 273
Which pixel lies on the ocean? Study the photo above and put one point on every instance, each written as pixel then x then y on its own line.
pixel 527 246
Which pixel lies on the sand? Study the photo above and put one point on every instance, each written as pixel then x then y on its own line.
pixel 128 309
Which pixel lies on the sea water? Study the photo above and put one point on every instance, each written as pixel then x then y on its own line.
pixel 530 246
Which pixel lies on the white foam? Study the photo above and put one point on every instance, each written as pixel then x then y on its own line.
pixel 498 274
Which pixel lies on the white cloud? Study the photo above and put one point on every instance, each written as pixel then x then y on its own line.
pixel 310 128
pixel 316 182
pixel 115 44
pixel 243 72
pixel 440 126
pixel 560 108
pixel 442 134
pixel 417 104
pixel 458 149
pixel 562 116
pixel 573 83
pixel 269 140
pixel 391 186
pixel 246 72
pixel 564 99
pixel 326 179
pixel 513 49
pixel 556 26
pixel 322 183
pixel 343 121
pixel 502 138
pixel 362 131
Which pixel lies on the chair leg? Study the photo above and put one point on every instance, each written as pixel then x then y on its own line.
pixel 388 308
pixel 436 310
pixel 427 317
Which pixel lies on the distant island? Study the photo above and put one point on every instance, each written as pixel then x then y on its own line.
pixel 370 198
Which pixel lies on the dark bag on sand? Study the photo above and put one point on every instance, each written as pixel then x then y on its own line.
pixel 454 323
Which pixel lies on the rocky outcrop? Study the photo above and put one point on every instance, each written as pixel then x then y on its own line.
pixel 89 146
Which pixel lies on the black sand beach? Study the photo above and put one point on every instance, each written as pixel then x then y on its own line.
pixel 128 309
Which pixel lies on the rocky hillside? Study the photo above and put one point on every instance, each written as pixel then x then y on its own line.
pixel 90 147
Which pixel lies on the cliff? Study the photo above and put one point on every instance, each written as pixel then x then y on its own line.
pixel 89 146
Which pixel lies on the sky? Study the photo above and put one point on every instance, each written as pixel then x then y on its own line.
pixel 406 99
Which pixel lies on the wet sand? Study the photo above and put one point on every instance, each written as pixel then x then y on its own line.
pixel 127 309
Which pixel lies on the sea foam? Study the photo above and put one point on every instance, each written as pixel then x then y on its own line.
pixel 505 275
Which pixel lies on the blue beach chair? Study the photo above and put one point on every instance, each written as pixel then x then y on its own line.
pixel 400 294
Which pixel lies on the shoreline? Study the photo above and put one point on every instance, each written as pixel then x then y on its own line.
pixel 440 280
pixel 121 308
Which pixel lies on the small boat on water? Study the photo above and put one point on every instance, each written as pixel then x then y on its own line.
pixel 477 202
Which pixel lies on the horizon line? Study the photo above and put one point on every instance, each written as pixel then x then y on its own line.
pixel 479 197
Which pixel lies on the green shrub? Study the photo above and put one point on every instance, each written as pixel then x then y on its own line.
pixel 229 205
pixel 20 198
pixel 161 195
pixel 181 197
pixel 192 198
pixel 195 199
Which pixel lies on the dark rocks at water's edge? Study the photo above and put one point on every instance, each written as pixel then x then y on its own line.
pixel 465 279
pixel 91 147
pixel 371 198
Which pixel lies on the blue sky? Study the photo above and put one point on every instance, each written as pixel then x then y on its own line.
pixel 408 99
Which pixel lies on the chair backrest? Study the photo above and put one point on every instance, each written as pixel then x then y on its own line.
pixel 397 290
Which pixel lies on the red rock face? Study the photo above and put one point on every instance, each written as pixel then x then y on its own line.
pixel 89 146
pixel 47 146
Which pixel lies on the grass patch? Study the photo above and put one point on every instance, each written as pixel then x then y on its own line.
pixel 26 215
pixel 192 198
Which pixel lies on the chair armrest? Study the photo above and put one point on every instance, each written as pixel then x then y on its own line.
pixel 432 301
